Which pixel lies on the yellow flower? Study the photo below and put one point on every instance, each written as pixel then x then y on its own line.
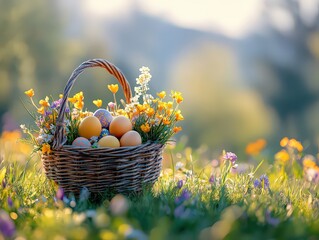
pixel 284 142
pixel 122 112
pixel 161 94
pixel 176 95
pixel 85 114
pixel 150 112
pixel 45 102
pixel 166 121
pixel 177 129
pixel 179 99
pixel 256 147
pixel 169 112
pixel 169 104
pixel 293 143
pixel 72 100
pixel 98 102
pixel 145 127
pixel 29 93
pixel 282 156
pixel 79 105
pixel 61 96
pixel 160 106
pixel 140 108
pixel 41 110
pixel 77 100
pixel 179 116
pixel 46 149
pixel 113 88
pixel 79 96
pixel 308 163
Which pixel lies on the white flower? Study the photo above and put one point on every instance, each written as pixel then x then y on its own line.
pixel 179 165
pixel 24 128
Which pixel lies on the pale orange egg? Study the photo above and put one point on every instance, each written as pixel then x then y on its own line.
pixel 89 127
pixel 81 142
pixel 131 138
pixel 119 126
pixel 109 141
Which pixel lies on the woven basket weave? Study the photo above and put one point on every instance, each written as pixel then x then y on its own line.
pixel 120 170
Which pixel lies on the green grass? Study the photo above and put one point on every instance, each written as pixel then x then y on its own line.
pixel 233 209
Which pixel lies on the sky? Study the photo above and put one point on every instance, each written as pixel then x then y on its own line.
pixel 230 17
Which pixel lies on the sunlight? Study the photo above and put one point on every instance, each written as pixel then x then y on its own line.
pixel 233 18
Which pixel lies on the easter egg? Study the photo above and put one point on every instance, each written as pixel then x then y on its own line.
pixel 109 141
pixel 90 126
pixel 81 142
pixel 104 116
pixel 119 126
pixel 104 133
pixel 131 138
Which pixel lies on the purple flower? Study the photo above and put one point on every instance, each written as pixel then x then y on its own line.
pixel 271 220
pixel 231 157
pixel 185 195
pixel 257 184
pixel 47 113
pixel 56 104
pixel 262 182
pixel 180 184
pixel 10 202
pixel 7 227
pixel 212 179
pixel 4 183
pixel 60 194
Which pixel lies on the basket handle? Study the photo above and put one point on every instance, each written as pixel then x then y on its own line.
pixel 59 136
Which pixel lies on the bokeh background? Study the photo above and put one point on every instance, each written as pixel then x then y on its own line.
pixel 247 69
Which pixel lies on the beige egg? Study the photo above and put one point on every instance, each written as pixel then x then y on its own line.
pixel 119 126
pixel 89 127
pixel 131 138
pixel 109 141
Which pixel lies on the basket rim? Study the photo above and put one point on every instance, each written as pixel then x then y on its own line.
pixel 144 146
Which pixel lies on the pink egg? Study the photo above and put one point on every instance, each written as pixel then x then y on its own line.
pixel 104 116
pixel 81 142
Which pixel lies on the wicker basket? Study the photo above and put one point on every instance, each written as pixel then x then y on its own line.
pixel 120 170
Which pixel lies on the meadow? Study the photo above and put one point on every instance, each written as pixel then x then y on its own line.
pixel 194 198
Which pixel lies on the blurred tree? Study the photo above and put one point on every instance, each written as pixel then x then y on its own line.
pixel 220 111
pixel 281 51
pixel 31 48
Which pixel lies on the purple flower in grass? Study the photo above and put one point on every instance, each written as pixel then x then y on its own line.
pixel 7 227
pixel 263 181
pixel 185 195
pixel 271 220
pixel 211 179
pixel 180 184
pixel 231 157
pixel 10 202
pixel 4 183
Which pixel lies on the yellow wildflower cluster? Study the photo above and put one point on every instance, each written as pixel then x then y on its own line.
pixel 291 148
pixel 155 120
pixel 78 100
pixel 291 143
pixel 282 156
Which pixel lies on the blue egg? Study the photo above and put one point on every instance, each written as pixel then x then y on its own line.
pixel 104 133
pixel 104 116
